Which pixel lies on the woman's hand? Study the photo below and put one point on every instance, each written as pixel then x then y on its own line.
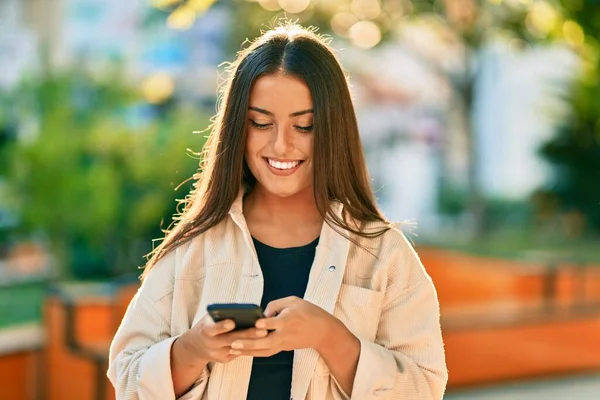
pixel 296 324
pixel 210 341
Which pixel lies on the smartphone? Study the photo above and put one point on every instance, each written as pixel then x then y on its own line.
pixel 243 314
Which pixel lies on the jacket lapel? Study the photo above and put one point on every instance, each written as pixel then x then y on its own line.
pixel 323 288
pixel 250 291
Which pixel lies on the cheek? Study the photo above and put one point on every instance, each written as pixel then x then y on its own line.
pixel 307 145
pixel 252 145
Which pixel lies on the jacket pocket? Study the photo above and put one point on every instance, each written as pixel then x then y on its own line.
pixel 360 310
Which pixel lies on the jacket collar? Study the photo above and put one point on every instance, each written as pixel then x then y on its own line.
pixel 238 204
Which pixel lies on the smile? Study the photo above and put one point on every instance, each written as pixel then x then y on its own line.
pixel 286 167
pixel 283 164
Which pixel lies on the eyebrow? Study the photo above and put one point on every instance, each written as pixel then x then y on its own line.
pixel 294 114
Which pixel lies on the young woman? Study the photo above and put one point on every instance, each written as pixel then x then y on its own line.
pixel 282 215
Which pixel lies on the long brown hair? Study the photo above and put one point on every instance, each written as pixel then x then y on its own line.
pixel 340 172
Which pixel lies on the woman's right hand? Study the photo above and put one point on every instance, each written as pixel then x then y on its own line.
pixel 205 342
pixel 211 341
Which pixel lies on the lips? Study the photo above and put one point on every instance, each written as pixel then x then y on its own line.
pixel 283 167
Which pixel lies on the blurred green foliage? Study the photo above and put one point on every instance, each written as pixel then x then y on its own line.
pixel 94 168
pixel 575 150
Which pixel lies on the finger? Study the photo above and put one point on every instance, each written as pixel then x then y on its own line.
pixel 270 324
pixel 218 328
pixel 252 333
pixel 225 356
pixel 253 353
pixel 276 306
pixel 265 343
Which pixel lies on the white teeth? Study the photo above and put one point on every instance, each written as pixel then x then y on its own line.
pixel 283 165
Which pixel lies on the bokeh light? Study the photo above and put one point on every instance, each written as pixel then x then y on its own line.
pixel 270 5
pixel 331 6
pixel 158 88
pixel 342 22
pixel 365 34
pixel 396 8
pixel 200 5
pixel 294 6
pixel 164 3
pixel 541 19
pixel 366 9
pixel 573 33
pixel 182 18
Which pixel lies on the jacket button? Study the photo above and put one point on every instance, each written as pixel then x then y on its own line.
pixel 332 268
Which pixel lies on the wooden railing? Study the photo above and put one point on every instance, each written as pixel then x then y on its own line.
pixel 500 321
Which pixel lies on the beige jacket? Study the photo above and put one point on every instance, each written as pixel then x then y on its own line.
pixel 388 302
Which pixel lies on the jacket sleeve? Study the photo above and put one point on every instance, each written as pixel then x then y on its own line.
pixel 407 360
pixel 140 353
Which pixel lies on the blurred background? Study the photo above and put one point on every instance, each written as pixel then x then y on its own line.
pixel 480 120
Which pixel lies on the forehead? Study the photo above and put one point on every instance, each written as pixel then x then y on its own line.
pixel 280 94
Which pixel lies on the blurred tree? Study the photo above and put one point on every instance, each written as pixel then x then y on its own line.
pixel 94 169
pixel 469 23
pixel 575 151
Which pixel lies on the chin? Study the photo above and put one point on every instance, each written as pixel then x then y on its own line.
pixel 284 192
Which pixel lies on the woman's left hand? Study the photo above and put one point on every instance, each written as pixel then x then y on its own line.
pixel 295 324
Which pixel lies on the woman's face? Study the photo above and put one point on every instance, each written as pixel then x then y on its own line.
pixel 279 144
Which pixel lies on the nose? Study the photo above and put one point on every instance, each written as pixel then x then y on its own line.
pixel 282 141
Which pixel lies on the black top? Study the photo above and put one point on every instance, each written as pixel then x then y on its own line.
pixel 285 273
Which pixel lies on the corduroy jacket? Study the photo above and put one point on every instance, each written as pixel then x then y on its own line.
pixel 384 297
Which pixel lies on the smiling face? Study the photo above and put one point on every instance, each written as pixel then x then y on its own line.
pixel 279 144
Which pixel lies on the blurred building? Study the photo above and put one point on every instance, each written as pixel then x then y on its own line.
pixel 19 43
pixel 414 131
pixel 98 34
pixel 520 105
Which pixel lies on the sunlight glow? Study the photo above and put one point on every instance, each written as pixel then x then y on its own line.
pixel 365 34
pixel 270 5
pixel 331 6
pixel 342 22
pixel 294 6
pixel 542 19
pixel 366 9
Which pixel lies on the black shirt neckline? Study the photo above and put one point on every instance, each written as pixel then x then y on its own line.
pixel 307 247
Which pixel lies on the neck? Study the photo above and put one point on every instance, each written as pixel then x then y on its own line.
pixel 298 208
